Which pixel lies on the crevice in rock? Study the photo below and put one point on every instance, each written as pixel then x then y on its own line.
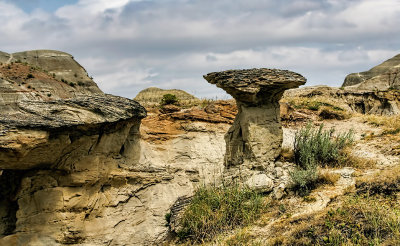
pixel 9 184
pixel 121 151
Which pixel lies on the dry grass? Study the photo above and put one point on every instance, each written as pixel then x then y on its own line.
pixel 241 237
pixel 287 154
pixel 314 103
pixel 358 220
pixel 327 177
pixel 386 182
pixel 389 124
pixel 349 159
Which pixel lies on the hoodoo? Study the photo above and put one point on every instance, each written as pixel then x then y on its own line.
pixel 255 137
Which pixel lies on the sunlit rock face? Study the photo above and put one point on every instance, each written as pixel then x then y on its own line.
pixel 67 170
pixel 256 134
pixel 381 77
pixel 75 165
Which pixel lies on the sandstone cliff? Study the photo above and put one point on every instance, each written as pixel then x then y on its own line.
pixel 73 169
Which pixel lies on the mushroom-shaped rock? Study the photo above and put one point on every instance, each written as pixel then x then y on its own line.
pixel 256 134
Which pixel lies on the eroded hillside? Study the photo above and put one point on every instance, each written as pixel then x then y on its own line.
pixel 81 167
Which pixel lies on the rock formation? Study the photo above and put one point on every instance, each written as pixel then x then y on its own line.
pixel 381 77
pixel 255 137
pixel 64 157
pixel 354 100
pixel 45 74
pixel 153 95
pixel 73 168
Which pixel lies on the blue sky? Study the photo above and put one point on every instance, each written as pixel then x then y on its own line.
pixel 130 45
pixel 46 5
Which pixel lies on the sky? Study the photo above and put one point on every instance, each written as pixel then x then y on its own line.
pixel 130 45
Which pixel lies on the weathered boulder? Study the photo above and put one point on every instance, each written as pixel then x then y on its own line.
pixel 260 182
pixel 382 77
pixel 256 134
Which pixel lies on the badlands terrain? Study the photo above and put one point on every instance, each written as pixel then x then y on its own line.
pixel 81 167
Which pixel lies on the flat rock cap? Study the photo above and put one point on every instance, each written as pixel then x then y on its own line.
pixel 257 84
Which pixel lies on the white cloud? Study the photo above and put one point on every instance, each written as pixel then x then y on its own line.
pixel 130 45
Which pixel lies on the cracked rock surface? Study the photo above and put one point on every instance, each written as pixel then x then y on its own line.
pixel 256 134
pixel 73 169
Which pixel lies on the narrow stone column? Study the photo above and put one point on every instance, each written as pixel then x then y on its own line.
pixel 256 134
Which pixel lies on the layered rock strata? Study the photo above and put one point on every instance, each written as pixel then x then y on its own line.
pixel 73 166
pixel 42 75
pixel 381 77
pixel 255 138
pixel 385 102
pixel 66 165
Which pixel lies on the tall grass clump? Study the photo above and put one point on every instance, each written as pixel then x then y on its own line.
pixel 216 209
pixel 315 147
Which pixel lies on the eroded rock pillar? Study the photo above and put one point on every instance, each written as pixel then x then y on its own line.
pixel 255 137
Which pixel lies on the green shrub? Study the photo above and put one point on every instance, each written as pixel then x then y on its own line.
pixel 30 76
pixel 167 219
pixel 304 179
pixel 319 147
pixel 169 99
pixel 313 148
pixel 217 209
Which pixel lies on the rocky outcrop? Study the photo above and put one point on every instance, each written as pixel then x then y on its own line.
pixel 256 134
pixel 352 99
pixel 59 65
pixel 42 75
pixel 371 102
pixel 75 170
pixel 71 157
pixel 153 95
pixel 381 77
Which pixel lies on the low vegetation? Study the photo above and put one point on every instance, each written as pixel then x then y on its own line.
pixel 169 99
pixel 30 76
pixel 217 209
pixel 241 238
pixel 313 148
pixel 325 108
pixel 390 124
pixel 368 216
pixel 350 159
pixel 359 220
pixel 386 182
pixel 329 113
